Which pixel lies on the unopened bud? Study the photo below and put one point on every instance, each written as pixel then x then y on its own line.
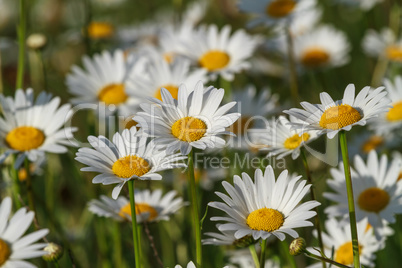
pixel 244 241
pixel 297 246
pixel 36 41
pixel 54 252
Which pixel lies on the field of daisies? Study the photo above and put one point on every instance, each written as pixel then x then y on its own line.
pixel 202 133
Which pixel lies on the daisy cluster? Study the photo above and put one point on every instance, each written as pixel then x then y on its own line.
pixel 210 131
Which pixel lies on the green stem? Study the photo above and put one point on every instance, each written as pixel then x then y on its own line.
pixel 286 253
pixel 311 255
pixel 21 29
pixel 313 197
pixel 351 204
pixel 263 250
pixel 88 19
pixel 16 185
pixel 56 264
pixel 294 90
pixel 194 205
pixel 31 199
pixel 117 257
pixel 136 238
pixel 254 255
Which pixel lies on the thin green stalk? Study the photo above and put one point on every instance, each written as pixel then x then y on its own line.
pixel 313 197
pixel 31 199
pixel 262 255
pixel 88 19
pixel 351 204
pixel 117 257
pixel 286 254
pixel 42 63
pixel 311 255
pixel 21 30
pixel 56 264
pixel 136 239
pixel 294 90
pixel 16 185
pixel 254 255
pixel 194 206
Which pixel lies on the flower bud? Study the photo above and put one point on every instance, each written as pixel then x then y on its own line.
pixel 297 246
pixel 54 252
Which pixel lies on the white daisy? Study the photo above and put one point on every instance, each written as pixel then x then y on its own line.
pixel 129 156
pixel 274 12
pixel 339 240
pixel 265 207
pixel 377 193
pixel 30 128
pixel 149 206
pixel 362 4
pixel 193 120
pixel 330 117
pixel 218 52
pixel 383 45
pixel 192 265
pixel 323 46
pixel 243 259
pixel 392 120
pixel 161 74
pixel 104 80
pixel 281 140
pixel 13 247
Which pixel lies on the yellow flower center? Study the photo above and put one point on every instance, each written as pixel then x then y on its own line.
pixel 214 60
pixel 280 8
pixel 344 254
pixel 340 116
pixel 372 143
pixel 373 199
pixel 241 125
pixel 395 113
pixel 294 141
pixel 168 57
pixel 265 219
pixel 173 90
pixel 25 138
pixel 314 57
pixel 113 94
pixel 139 208
pixel 368 227
pixel 189 129
pixel 130 165
pixel 400 176
pixel 5 252
pixel 394 53
pixel 98 30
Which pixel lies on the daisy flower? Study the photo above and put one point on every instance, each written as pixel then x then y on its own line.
pixel 219 52
pixel 330 117
pixel 265 208
pixel 377 192
pixel 129 156
pixel 193 120
pixel 383 44
pixel 272 12
pixel 243 259
pixel 362 4
pixel 30 128
pixel 161 74
pixel 324 46
pixel 392 120
pixel 149 206
pixel 13 247
pixel 104 80
pixel 340 240
pixel 281 140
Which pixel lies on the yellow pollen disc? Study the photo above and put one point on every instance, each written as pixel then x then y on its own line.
pixel 400 176
pixel 265 219
pixel 373 199
pixel 113 94
pixel 139 208
pixel 294 141
pixel 280 8
pixel 173 90
pixel 241 125
pixel 130 165
pixel 214 60
pixel 395 113
pixel 340 116
pixel 5 252
pixel 344 254
pixel 25 138
pixel 372 143
pixel 394 53
pixel 168 57
pixel 314 57
pixel 189 129
pixel 98 30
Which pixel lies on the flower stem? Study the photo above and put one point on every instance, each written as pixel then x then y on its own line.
pixel 254 255
pixel 311 255
pixel 21 29
pixel 134 225
pixel 117 258
pixel 294 90
pixel 351 204
pixel 262 256
pixel 16 185
pixel 313 197
pixel 194 206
